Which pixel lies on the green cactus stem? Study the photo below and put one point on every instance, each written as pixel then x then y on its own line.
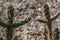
pixel 21 23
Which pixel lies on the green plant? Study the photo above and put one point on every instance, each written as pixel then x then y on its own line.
pixel 49 20
pixel 10 26
pixel 56 34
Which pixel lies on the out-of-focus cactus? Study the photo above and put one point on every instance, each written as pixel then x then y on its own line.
pixel 49 20
pixel 10 26
pixel 56 34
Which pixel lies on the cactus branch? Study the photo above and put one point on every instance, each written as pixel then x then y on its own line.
pixel 21 22
pixel 10 14
pixel 55 17
pixel 46 9
pixel 42 21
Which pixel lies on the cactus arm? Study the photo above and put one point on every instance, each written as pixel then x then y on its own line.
pixel 46 9
pixel 3 24
pixel 21 23
pixel 10 14
pixel 55 17
pixel 42 21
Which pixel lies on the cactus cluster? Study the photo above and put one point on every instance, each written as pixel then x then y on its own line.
pixel 10 26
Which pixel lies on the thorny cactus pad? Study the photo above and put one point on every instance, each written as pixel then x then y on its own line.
pixel 49 20
pixel 10 26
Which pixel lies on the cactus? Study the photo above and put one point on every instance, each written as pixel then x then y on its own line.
pixel 10 26
pixel 49 20
pixel 56 34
